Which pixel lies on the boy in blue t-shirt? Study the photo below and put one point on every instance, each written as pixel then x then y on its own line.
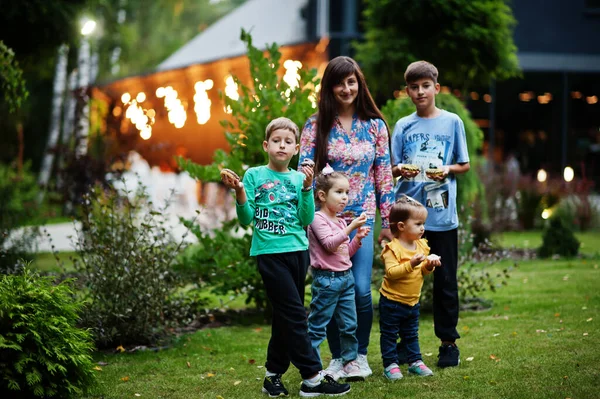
pixel 429 148
pixel 279 202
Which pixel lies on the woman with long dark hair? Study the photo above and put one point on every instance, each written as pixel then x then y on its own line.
pixel 349 133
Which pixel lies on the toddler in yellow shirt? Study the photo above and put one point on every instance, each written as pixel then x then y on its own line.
pixel 406 260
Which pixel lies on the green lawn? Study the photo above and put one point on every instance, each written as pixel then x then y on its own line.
pixel 590 240
pixel 540 340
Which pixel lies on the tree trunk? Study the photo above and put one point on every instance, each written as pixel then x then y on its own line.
pixel 60 79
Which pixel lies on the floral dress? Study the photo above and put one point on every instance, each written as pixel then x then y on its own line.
pixel 364 156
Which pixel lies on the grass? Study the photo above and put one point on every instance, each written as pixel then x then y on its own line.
pixel 540 340
pixel 590 240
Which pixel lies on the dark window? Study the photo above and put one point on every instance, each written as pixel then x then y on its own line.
pixel 592 7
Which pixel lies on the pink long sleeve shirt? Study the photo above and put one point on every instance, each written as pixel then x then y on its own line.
pixel 329 246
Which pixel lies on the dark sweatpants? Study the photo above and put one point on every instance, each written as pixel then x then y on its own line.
pixel 284 277
pixel 445 285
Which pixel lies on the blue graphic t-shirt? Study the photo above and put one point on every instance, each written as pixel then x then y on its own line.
pixel 279 209
pixel 430 143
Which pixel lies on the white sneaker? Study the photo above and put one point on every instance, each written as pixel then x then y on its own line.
pixel 363 363
pixel 335 366
pixel 351 372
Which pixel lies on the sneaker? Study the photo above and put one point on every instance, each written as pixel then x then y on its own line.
pixel 402 353
pixel 392 372
pixel 274 387
pixel 363 363
pixel 335 366
pixel 351 372
pixel 419 368
pixel 327 386
pixel 449 356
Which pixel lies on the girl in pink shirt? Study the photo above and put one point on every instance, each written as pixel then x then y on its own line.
pixel 333 283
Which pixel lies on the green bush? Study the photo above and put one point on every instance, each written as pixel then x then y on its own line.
pixel 558 239
pixel 124 254
pixel 221 261
pixel 42 352
pixel 18 191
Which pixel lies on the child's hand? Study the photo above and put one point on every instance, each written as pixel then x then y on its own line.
pixel 440 176
pixel 231 179
pixel 434 260
pixel 415 260
pixel 408 171
pixel 309 172
pixel 363 232
pixel 359 221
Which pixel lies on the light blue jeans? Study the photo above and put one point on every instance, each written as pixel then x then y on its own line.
pixel 362 267
pixel 333 299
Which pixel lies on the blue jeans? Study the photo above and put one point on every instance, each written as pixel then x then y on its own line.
pixel 362 266
pixel 333 298
pixel 397 320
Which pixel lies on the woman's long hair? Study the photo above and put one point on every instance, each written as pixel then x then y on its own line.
pixel 337 70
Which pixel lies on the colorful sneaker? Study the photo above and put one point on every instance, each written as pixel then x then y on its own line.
pixel 449 356
pixel 419 368
pixel 392 372
pixel 363 363
pixel 327 386
pixel 274 387
pixel 335 366
pixel 351 372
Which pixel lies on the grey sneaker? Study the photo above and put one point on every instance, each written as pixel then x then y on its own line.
pixel 392 372
pixel 363 363
pixel 335 366
pixel 419 368
pixel 351 372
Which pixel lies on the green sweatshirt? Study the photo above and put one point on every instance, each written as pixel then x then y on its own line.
pixel 279 208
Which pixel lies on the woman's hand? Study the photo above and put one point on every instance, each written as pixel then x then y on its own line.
pixel 385 235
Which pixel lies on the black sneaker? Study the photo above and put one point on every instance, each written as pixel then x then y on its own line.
pixel 402 353
pixel 274 387
pixel 449 356
pixel 327 386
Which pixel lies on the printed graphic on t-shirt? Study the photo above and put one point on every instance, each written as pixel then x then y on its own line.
pixel 425 150
pixel 276 204
pixel 436 195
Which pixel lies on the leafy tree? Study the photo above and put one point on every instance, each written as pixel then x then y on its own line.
pixel 11 79
pixel 147 32
pixel 470 41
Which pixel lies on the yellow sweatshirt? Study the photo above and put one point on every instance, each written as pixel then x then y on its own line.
pixel 402 282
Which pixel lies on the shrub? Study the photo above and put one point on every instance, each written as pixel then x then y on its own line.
pixel 220 261
pixel 18 191
pixel 124 253
pixel 42 352
pixel 558 239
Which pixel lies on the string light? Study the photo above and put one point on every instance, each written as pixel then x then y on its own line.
pixel 231 91
pixel 201 101
pixel 176 111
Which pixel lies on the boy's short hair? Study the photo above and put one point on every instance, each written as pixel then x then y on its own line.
pixel 402 210
pixel 420 70
pixel 282 123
